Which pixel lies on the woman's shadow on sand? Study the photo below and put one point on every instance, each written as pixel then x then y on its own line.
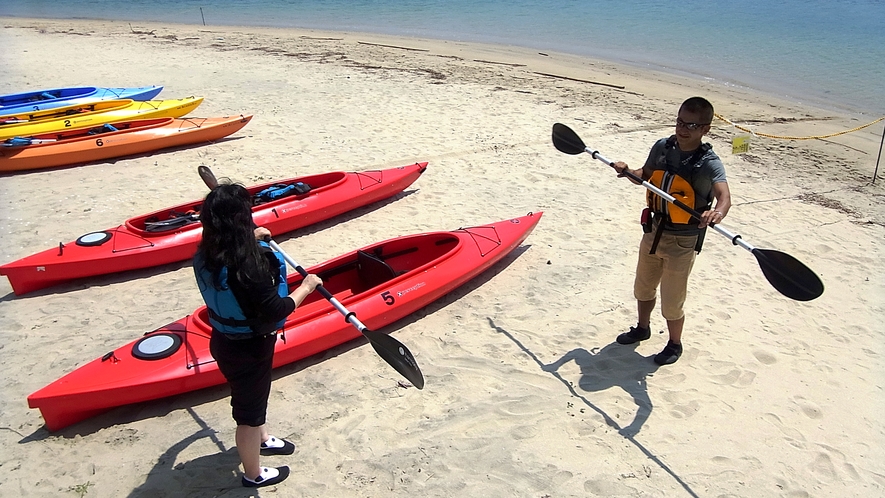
pixel 614 365
pixel 210 475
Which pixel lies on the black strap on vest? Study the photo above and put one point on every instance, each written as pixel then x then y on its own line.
pixel 232 322
pixel 660 231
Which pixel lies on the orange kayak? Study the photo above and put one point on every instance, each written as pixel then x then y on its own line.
pixel 112 140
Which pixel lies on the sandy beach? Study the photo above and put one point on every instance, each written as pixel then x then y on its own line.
pixel 527 392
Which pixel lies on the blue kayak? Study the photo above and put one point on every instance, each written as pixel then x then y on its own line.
pixel 39 100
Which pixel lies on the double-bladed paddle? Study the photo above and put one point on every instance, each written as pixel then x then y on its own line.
pixel 391 350
pixel 785 273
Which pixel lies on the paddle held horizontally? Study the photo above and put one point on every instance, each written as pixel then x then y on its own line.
pixel 785 273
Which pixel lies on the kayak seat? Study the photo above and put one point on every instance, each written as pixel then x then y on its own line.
pixel 372 270
pixel 176 221
pixel 105 128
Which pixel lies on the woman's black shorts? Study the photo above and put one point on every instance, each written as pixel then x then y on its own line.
pixel 247 365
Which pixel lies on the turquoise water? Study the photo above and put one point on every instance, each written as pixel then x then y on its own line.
pixel 823 52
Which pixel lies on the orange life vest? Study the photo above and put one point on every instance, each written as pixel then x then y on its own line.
pixel 667 214
pixel 681 190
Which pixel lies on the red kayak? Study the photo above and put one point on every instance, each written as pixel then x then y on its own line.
pixel 380 283
pixel 173 234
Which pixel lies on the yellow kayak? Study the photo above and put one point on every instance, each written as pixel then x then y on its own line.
pixel 92 114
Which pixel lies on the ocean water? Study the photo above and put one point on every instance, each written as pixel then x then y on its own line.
pixel 829 53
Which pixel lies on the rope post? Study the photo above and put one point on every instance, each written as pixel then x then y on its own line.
pixel 879 157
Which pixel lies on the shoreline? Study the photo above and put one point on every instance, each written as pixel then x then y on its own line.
pixel 773 88
pixel 574 75
pixel 527 392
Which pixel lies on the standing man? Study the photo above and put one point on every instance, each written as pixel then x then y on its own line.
pixel 692 173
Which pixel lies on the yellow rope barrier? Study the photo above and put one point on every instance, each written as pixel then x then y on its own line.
pixel 798 138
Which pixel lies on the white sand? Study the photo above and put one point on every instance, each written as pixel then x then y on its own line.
pixel 772 397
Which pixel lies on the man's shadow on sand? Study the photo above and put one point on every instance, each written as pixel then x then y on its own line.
pixel 615 365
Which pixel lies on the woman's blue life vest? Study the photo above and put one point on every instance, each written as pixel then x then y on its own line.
pixel 225 313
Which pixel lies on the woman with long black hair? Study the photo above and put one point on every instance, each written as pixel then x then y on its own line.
pixel 243 283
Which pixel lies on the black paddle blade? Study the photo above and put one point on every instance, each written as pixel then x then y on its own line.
pixel 788 275
pixel 208 176
pixel 566 140
pixel 396 355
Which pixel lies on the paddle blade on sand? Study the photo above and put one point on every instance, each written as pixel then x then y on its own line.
pixel 396 355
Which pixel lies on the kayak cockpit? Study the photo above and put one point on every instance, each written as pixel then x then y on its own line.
pixel 166 220
pixel 188 215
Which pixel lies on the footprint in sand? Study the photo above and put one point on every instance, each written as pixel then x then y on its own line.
pixel 670 380
pixel 794 436
pixel 604 487
pixel 524 432
pixel 823 465
pixel 810 410
pixel 685 410
pixel 764 357
pixel 735 377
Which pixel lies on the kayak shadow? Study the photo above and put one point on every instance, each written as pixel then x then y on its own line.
pixel 113 160
pixel 146 273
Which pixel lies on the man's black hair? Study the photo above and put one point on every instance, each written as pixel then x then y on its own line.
pixel 700 106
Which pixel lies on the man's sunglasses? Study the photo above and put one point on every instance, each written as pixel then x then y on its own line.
pixel 689 126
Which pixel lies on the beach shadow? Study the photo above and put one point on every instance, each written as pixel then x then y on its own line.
pixel 114 160
pixel 615 365
pixel 210 475
pixel 594 382
pixel 145 273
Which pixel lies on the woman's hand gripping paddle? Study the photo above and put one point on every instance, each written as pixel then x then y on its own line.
pixel 392 351
pixel 785 273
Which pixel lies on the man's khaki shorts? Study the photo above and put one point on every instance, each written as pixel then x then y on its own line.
pixel 670 267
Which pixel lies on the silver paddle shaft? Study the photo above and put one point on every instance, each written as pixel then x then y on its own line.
pixel 735 238
pixel 350 317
